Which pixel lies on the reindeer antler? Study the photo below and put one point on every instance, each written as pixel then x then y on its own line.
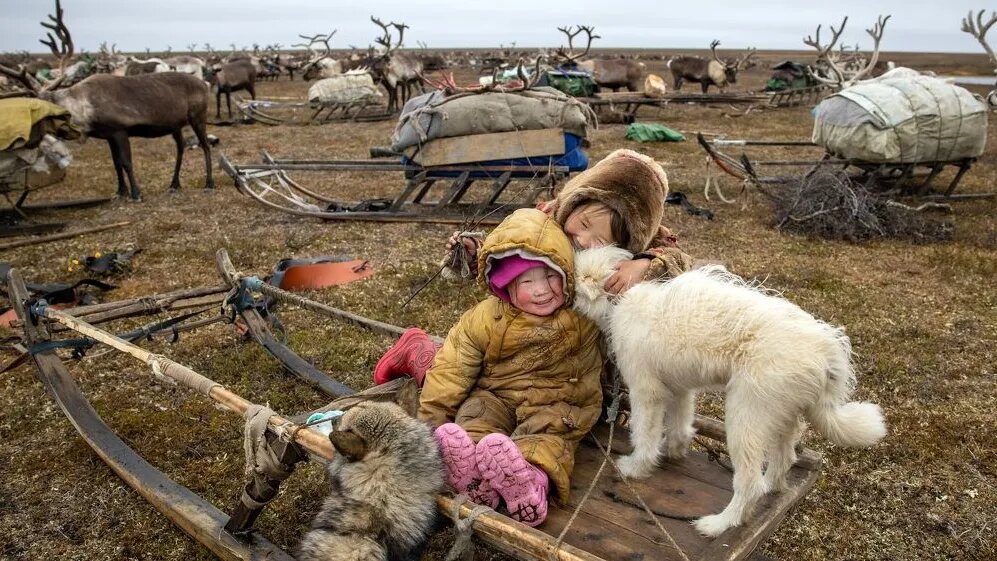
pixel 63 51
pixel 743 61
pixel 317 38
pixel 401 27
pixel 384 40
pixel 570 56
pixel 979 30
pixel 825 53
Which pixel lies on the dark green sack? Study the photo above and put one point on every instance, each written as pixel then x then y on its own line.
pixel 648 132
pixel 573 83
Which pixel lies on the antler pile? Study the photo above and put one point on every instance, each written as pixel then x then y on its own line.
pixel 449 87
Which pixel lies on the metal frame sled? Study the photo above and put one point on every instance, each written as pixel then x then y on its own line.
pixel 293 111
pixel 609 525
pixel 269 184
pixel 894 179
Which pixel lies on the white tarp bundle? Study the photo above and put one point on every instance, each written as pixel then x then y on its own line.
pixel 902 117
pixel 352 87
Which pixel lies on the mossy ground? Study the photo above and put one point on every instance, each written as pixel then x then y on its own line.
pixel 922 318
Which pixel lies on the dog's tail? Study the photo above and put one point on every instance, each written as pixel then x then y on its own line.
pixel 856 424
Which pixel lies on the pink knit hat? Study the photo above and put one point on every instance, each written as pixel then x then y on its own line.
pixel 503 271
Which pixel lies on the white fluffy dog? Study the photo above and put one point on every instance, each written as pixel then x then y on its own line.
pixel 708 329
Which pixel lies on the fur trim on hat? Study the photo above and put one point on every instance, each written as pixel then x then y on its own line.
pixel 631 184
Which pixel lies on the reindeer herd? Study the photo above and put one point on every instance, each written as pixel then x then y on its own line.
pixel 126 96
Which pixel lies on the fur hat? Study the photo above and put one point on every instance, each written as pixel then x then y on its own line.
pixel 631 184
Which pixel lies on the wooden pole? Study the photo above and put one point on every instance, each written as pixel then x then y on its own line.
pixel 310 439
pixel 60 236
pixel 494 528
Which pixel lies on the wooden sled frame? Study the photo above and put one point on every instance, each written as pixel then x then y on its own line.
pixel 798 96
pixel 353 112
pixel 269 184
pixel 609 526
pixel 902 179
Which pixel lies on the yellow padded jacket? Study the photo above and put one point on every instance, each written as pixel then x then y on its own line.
pixel 544 370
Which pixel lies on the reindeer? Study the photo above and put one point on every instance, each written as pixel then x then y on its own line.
pixel 232 77
pixel 115 108
pixel 713 72
pixel 613 73
pixel 838 76
pixel 321 64
pixel 978 29
pixel 187 64
pixel 395 70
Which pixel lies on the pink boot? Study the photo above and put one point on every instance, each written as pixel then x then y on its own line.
pixel 457 450
pixel 521 484
pixel 412 355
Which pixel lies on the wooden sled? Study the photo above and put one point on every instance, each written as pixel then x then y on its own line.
pixel 292 111
pixel 270 185
pixel 793 97
pixel 903 179
pixel 628 103
pixel 609 525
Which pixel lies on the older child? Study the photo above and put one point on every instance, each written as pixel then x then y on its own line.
pixel 619 201
pixel 516 384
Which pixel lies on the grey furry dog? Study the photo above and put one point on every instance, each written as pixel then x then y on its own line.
pixel 384 480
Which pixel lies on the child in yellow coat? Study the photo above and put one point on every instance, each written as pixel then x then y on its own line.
pixel 516 384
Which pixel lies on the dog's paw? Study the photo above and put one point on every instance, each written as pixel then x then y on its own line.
pixel 634 467
pixel 711 526
pixel 676 448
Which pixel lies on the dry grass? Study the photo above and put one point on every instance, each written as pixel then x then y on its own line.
pixel 923 320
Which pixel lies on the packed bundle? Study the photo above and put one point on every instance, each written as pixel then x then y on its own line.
pixel 352 87
pixel 902 117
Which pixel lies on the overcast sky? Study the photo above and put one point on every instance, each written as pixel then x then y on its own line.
pixel 917 25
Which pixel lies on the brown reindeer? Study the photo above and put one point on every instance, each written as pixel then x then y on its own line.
pixel 712 72
pixel 613 73
pixel 232 77
pixel 396 71
pixel 115 108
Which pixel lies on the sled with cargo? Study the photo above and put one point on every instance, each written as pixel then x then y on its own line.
pixel 607 518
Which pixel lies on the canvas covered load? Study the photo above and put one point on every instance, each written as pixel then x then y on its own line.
pixel 902 117
pixel 352 87
pixel 434 115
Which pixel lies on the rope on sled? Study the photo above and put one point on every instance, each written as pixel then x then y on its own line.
pixel 461 549
pixel 611 415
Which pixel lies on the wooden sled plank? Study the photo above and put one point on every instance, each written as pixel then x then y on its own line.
pixel 195 516
pixel 490 146
pixel 615 526
pixel 261 333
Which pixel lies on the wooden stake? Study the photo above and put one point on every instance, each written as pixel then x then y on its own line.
pixel 61 236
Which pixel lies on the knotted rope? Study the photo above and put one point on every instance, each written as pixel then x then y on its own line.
pixel 461 550
pixel 260 458
pixel 611 413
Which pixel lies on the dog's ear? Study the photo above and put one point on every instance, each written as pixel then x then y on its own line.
pixel 408 397
pixel 349 444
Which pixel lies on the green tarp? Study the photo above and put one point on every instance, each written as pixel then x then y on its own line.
pixel 648 132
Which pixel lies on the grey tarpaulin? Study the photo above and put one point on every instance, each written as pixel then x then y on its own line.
pixel 902 117
pixel 434 115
